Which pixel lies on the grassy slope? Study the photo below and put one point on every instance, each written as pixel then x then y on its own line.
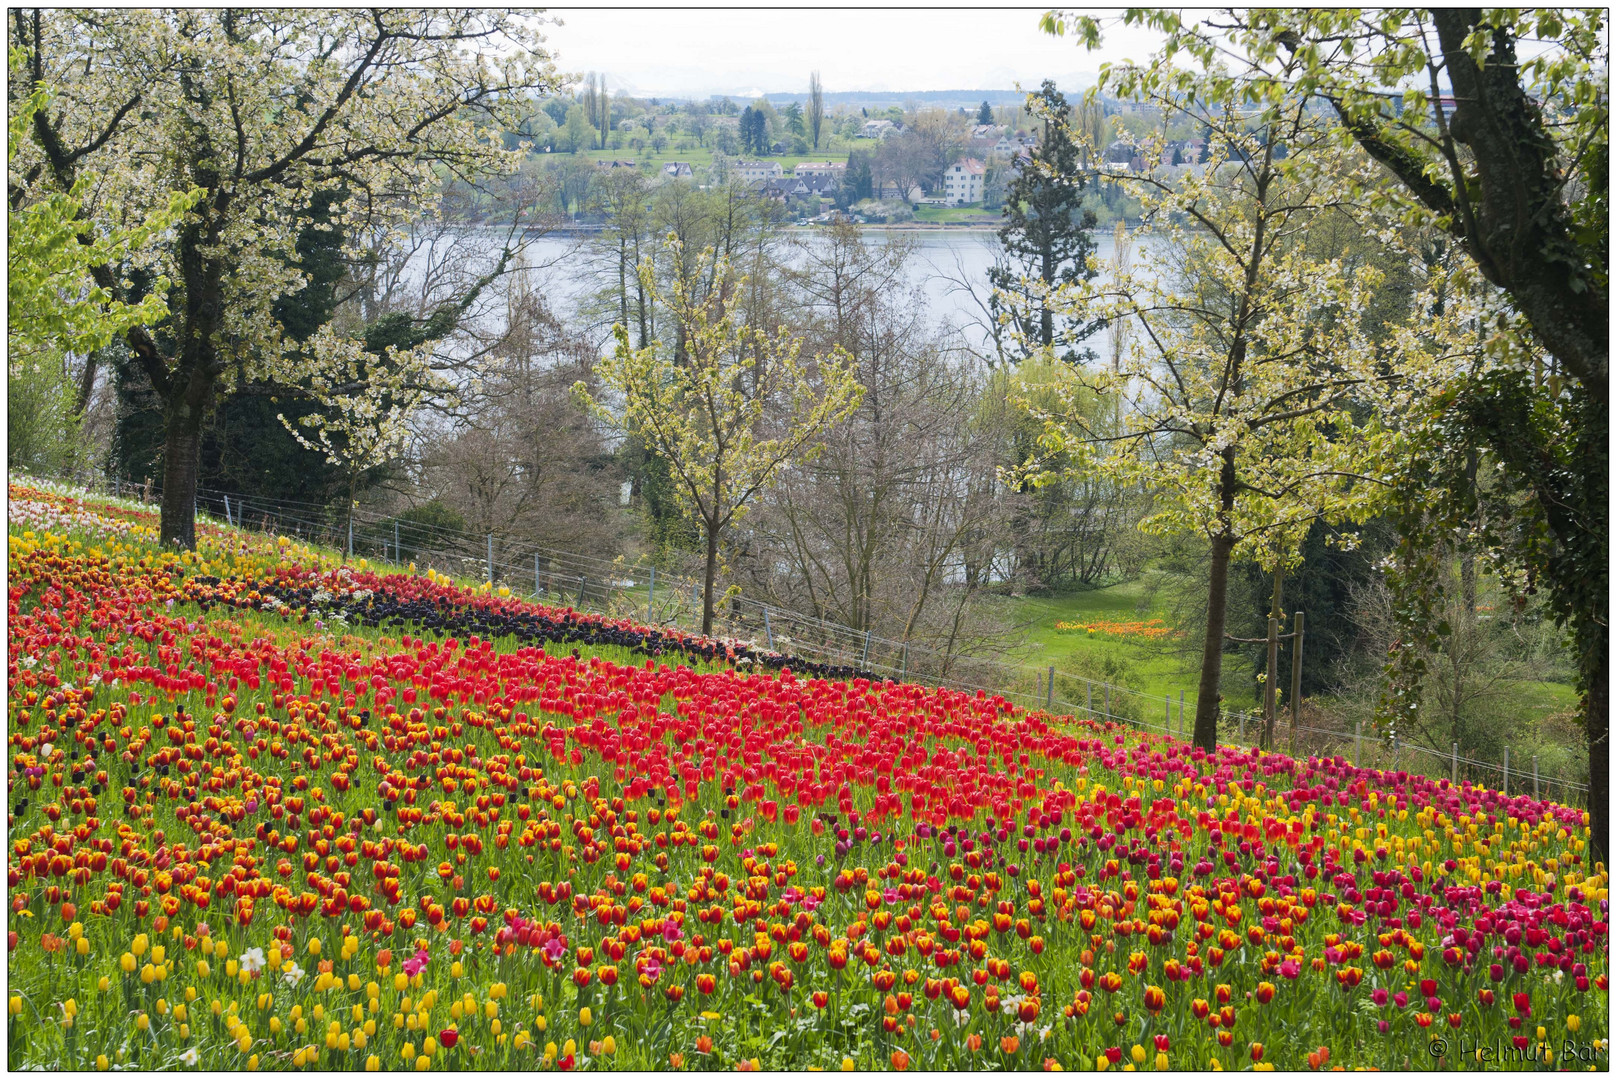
pixel 1157 668
pixel 1154 668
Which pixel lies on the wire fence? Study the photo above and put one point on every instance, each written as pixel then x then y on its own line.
pixel 662 597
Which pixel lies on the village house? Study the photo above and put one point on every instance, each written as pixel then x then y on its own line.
pixel 836 169
pixel 820 183
pixel 754 172
pixel 678 170
pixel 992 146
pixel 889 189
pixel 963 182
pixel 878 129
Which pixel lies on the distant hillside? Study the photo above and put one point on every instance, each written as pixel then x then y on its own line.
pixel 881 99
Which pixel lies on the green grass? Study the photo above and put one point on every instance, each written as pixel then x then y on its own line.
pixel 1152 668
pixel 1159 668
pixel 955 215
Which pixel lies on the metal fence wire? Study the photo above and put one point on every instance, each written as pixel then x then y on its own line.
pixel 642 592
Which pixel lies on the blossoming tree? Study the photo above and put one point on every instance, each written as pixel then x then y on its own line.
pixel 368 400
pixel 262 110
pixel 727 408
pixel 1246 355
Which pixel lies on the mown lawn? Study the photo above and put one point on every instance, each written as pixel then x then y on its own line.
pixel 956 215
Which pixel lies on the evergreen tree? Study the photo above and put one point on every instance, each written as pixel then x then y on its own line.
pixel 857 181
pixel 985 113
pixel 760 133
pixel 1046 235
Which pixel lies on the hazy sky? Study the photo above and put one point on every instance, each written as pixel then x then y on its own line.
pixel 747 52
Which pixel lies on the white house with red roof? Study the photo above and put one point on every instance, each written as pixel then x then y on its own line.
pixel 963 182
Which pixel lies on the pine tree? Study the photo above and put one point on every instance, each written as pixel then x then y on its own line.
pixel 1047 236
pixel 745 130
pixel 985 113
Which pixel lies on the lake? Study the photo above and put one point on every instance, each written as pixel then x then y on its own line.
pixel 564 269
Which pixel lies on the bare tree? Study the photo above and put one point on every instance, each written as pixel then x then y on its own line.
pixel 525 461
pixel 883 531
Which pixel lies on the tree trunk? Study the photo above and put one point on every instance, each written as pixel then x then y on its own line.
pixel 1047 322
pixel 353 482
pixel 81 404
pixel 709 574
pixel 1596 702
pixel 182 449
pixel 1205 734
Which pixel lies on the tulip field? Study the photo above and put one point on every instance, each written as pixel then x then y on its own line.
pixel 270 812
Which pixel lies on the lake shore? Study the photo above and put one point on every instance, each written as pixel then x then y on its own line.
pixel 899 226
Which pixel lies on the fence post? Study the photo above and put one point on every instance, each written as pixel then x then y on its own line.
pixel 398 552
pixel 651 594
pixel 1507 770
pixel 905 670
pixel 864 658
pixel 1106 699
pixel 228 520
pixel 580 601
pixel 1535 776
pixel 1358 736
pixel 1089 698
pixel 1243 729
pixel 1167 714
pixel 769 635
pixel 491 560
pixel 536 593
pixel 1050 689
pixel 350 536
pixel 1181 715
pixel 1397 746
pixel 1454 765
